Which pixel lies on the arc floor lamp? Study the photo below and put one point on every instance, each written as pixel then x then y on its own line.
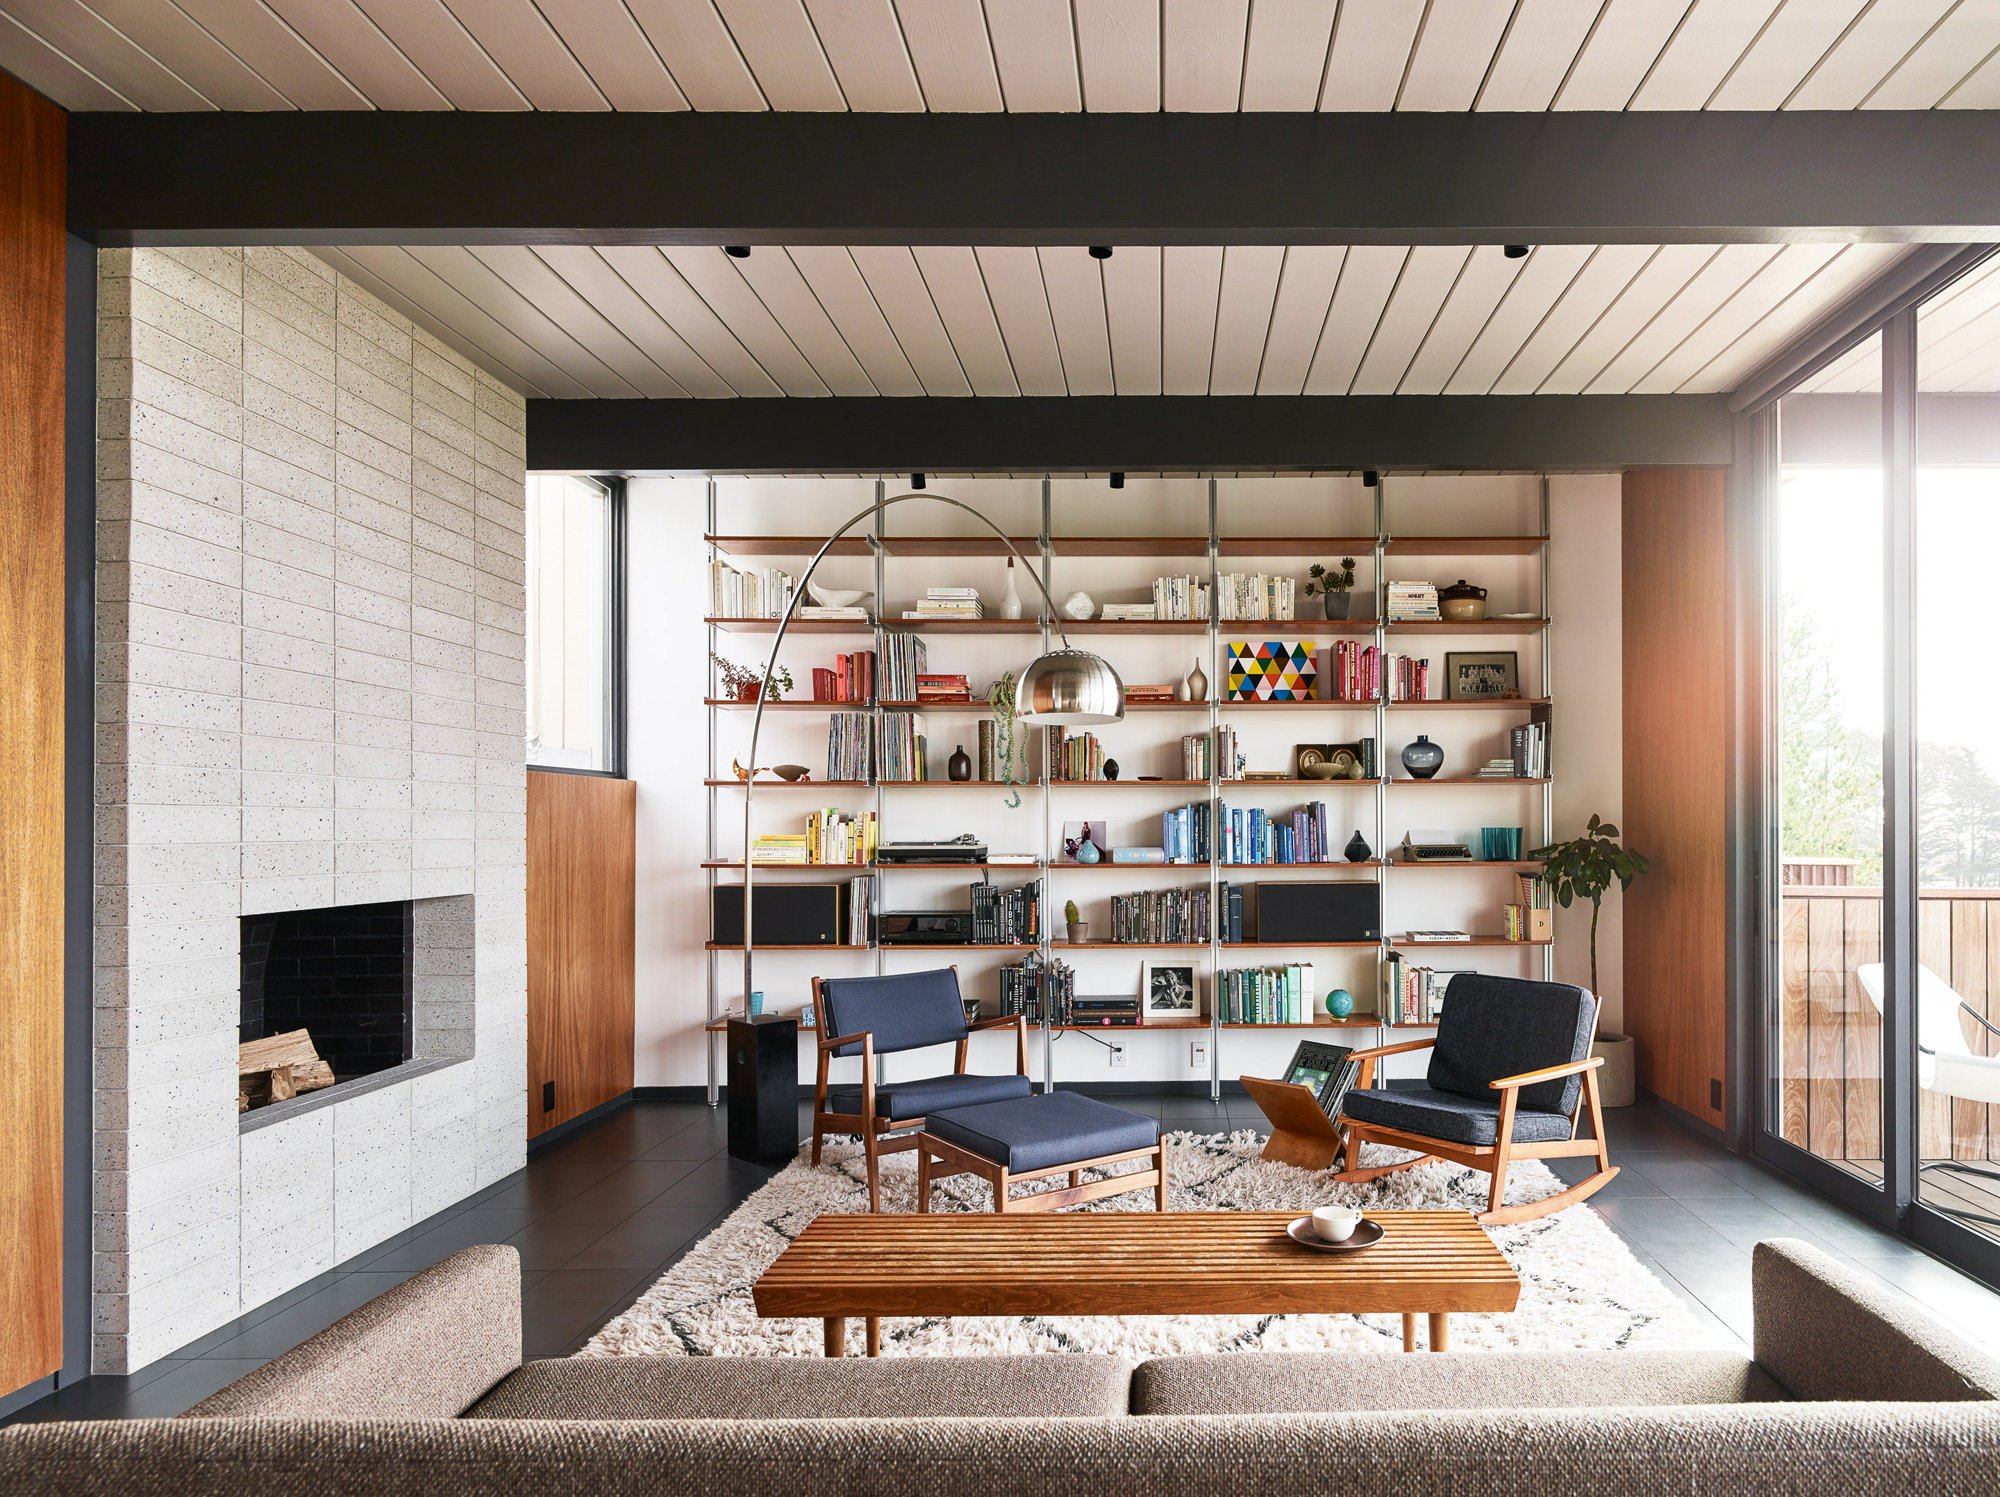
pixel 1064 688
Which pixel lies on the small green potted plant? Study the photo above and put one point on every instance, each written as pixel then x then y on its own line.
pixel 744 684
pixel 1586 867
pixel 1332 585
pixel 1079 930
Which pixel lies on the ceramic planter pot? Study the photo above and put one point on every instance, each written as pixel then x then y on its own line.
pixel 750 692
pixel 1616 1084
pixel 1079 931
pixel 1336 604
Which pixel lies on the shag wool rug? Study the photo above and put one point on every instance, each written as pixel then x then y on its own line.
pixel 1580 1287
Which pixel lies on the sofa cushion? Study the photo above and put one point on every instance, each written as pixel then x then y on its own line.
pixel 915 1099
pixel 1036 1133
pixel 809 1388
pixel 1826 1332
pixel 1445 1115
pixel 423 1350
pixel 1308 1383
pixel 1506 1026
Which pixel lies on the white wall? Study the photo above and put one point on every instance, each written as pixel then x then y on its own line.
pixel 310 647
pixel 668 727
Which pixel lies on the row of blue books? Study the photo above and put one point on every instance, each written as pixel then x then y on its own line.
pixel 1253 835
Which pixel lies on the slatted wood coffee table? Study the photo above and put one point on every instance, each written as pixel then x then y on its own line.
pixel 1432 1263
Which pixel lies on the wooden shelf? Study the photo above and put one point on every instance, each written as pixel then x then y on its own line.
pixel 1107 865
pixel 1129 545
pixel 1305 546
pixel 974 705
pixel 955 946
pixel 1123 784
pixel 786 545
pixel 932 867
pixel 960 545
pixel 962 626
pixel 1470 626
pixel 1320 1020
pixel 1408 942
pixel 783 867
pixel 818 946
pixel 798 626
pixel 1295 783
pixel 957 784
pixel 1128 946
pixel 1166 706
pixel 1315 705
pixel 1514 865
pixel 1161 627
pixel 1327 863
pixel 1301 945
pixel 735 784
pixel 731 704
pixel 1473 779
pixel 1282 627
pixel 1465 545
pixel 1490 704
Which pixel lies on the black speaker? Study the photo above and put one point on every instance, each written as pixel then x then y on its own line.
pixel 1319 914
pixel 763 1087
pixel 787 914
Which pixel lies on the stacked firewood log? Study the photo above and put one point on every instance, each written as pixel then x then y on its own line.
pixel 278 1067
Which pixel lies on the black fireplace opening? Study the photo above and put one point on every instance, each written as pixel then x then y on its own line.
pixel 343 975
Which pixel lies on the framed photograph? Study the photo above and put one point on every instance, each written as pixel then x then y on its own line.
pixel 1481 675
pixel 1326 761
pixel 1169 990
pixel 1076 833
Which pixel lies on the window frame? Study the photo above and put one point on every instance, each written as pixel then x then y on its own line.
pixel 616 623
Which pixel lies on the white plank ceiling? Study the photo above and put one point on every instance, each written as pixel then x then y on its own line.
pixel 1020 55
pixel 618 322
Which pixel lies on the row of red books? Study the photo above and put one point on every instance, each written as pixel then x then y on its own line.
pixel 851 678
pixel 943 688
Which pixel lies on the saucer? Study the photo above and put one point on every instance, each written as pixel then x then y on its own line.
pixel 1367 1232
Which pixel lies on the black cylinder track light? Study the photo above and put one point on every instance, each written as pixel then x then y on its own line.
pixel 1514 251
pixel 1118 480
pixel 916 480
pixel 737 251
pixel 1370 478
pixel 1100 252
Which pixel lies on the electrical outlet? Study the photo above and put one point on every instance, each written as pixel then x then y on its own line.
pixel 1117 1057
pixel 1198 1054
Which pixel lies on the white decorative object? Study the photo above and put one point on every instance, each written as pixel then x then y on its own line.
pixel 1581 1288
pixel 1079 605
pixel 837 597
pixel 1010 601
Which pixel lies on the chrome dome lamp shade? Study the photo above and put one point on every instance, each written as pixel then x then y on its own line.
pixel 1070 688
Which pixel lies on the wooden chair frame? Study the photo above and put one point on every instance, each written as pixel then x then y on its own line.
pixel 1492 1159
pixel 952 1160
pixel 876 1132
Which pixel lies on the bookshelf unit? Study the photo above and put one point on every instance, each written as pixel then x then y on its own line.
pixel 1364 804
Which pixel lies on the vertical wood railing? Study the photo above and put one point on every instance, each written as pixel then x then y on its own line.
pixel 1830 1041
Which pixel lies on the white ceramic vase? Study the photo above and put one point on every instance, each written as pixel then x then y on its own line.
pixel 1010 601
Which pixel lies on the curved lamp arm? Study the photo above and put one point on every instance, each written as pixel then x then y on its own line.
pixel 771 664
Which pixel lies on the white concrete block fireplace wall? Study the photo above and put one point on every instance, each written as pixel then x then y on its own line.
pixel 310 678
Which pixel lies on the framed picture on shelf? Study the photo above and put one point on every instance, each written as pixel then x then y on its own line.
pixel 1169 990
pixel 1076 833
pixel 1327 761
pixel 1481 675
pixel 1271 670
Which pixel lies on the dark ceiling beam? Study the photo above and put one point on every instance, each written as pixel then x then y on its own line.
pixel 460 178
pixel 1193 433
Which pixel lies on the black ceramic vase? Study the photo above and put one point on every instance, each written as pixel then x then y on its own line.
pixel 1423 758
pixel 959 767
pixel 1358 850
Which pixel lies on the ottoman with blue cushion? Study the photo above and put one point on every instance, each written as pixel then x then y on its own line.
pixel 1030 1138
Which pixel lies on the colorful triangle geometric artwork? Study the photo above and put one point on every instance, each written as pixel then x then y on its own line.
pixel 1272 670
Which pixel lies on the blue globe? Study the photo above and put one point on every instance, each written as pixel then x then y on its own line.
pixel 1340 1003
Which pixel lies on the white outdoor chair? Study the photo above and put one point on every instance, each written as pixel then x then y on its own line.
pixel 1946 1064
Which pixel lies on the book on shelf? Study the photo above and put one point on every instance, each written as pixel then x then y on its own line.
pixel 1267 995
pixel 851 678
pixel 1042 990
pixel 1251 597
pixel 1077 757
pixel 1530 917
pixel 903 758
pixel 901 658
pixel 1010 859
pixel 1412 602
pixel 1185 832
pixel 831 837
pixel 1138 855
pixel 943 689
pixel 947 603
pixel 1439 935
pixel 1353 672
pixel 1211 755
pixel 847 613
pixel 1180 598
pixel 1229 906
pixel 1160 916
pixel 1497 769
pixel 860 903
pixel 759 594
pixel 1129 612
pixel 1413 993
pixel 1250 834
pixel 1408 678
pixel 1006 917
pixel 1529 743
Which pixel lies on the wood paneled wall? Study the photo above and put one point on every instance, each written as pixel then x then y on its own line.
pixel 580 943
pixel 33 165
pixel 1677 725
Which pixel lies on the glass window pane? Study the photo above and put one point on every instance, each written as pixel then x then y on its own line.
pixel 569 624
pixel 1826 1037
pixel 1957 494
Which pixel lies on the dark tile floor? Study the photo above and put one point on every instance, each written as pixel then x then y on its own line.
pixel 602 1214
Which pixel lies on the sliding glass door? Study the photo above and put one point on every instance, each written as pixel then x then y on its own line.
pixel 1880 1042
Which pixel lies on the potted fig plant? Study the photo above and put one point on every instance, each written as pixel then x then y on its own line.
pixel 1079 930
pixel 744 684
pixel 1586 867
pixel 1332 585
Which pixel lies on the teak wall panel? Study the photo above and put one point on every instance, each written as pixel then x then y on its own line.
pixel 33 133
pixel 580 942
pixel 1676 731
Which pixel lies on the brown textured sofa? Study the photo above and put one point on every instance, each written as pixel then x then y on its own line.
pixel 423 1392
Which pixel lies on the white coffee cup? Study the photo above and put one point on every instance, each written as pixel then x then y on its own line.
pixel 1335 1223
